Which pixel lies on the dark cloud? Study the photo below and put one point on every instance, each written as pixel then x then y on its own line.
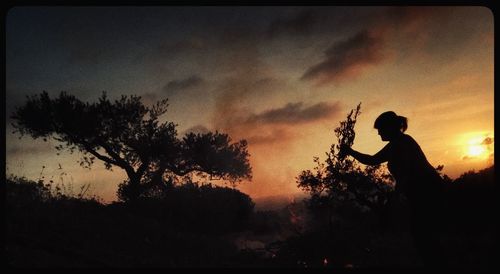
pixel 487 141
pixel 250 81
pixel 277 125
pixel 320 22
pixel 265 81
pixel 302 23
pixel 177 85
pixel 488 144
pixel 413 27
pixel 295 113
pixel 348 58
pixel 269 137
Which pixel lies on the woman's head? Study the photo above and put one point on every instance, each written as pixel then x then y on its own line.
pixel 389 124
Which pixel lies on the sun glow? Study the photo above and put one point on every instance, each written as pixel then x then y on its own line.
pixel 476 148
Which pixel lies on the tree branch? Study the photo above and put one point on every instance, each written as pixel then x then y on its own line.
pixel 101 157
pixel 119 161
pixel 142 168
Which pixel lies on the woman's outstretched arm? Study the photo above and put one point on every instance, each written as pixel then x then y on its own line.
pixel 378 158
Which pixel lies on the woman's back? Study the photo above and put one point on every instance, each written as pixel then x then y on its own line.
pixel 409 166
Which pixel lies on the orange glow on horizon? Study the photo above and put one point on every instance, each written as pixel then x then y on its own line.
pixel 477 146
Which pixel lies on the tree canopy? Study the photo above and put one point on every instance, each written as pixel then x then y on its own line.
pixel 129 135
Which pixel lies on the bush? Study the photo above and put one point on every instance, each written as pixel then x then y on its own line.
pixel 184 228
pixel 201 208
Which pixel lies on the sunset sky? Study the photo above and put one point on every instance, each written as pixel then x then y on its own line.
pixel 280 77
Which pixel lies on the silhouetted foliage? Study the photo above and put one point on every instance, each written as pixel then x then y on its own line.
pixel 471 199
pixel 127 134
pixel 200 208
pixel 22 191
pixel 185 228
pixel 196 225
pixel 445 177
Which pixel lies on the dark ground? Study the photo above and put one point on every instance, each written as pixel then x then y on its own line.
pixel 220 228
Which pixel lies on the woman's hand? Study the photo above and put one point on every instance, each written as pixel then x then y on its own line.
pixel 345 150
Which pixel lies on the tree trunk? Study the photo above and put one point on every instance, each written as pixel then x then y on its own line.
pixel 134 187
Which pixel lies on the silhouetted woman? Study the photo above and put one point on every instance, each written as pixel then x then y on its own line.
pixel 415 177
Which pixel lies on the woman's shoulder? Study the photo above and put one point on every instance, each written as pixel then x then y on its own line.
pixel 406 140
pixel 411 143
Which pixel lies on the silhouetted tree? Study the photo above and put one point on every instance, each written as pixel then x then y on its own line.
pixel 127 134
pixel 445 177
pixel 340 183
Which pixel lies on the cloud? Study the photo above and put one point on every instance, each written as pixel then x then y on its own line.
pixel 295 113
pixel 190 82
pixel 487 141
pixel 269 137
pixel 413 27
pixel 248 81
pixel 278 125
pixel 348 58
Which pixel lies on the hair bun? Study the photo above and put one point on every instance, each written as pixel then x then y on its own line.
pixel 403 121
pixel 391 120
